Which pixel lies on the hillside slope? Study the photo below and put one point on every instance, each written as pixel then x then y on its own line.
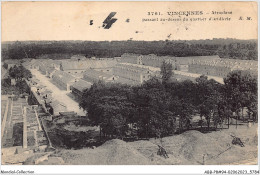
pixel 188 148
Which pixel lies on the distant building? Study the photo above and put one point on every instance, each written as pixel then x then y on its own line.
pixel 130 58
pixel 132 72
pixel 190 59
pixel 92 76
pixel 74 67
pixel 152 60
pixel 178 63
pixel 108 70
pixel 37 63
pixel 27 63
pixel 11 63
pixel 219 71
pixel 54 64
pixel 222 67
pixel 183 63
pixel 47 67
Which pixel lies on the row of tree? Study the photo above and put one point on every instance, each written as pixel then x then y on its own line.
pixel 225 48
pixel 160 107
pixel 19 73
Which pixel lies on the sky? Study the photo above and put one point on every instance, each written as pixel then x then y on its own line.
pixel 71 21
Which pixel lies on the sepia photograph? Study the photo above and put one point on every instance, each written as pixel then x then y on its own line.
pixel 129 83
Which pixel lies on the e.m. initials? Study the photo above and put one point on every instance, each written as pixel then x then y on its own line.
pixel 247 18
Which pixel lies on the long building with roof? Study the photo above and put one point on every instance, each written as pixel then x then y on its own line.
pixel 209 65
pixel 80 66
pixel 63 80
pixel 134 69
pixel 178 63
pixel 133 72
pixel 92 75
pixel 78 88
pixel 222 67
pixel 130 58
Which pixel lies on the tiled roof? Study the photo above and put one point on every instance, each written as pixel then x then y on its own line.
pixel 97 74
pixel 26 64
pixel 87 64
pixel 81 85
pixel 135 67
pixel 57 62
pixel 64 76
pixel 50 69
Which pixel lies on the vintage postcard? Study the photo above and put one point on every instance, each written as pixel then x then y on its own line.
pixel 129 83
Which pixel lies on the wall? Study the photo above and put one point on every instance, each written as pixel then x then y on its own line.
pixel 133 73
pixel 209 70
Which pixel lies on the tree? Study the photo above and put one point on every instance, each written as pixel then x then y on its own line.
pixel 208 109
pixel 19 73
pixel 208 100
pixel 241 91
pixel 166 71
pixel 108 106
pixel 114 113
pixel 249 93
pixel 232 87
pixel 152 102
pixel 183 111
pixel 224 108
